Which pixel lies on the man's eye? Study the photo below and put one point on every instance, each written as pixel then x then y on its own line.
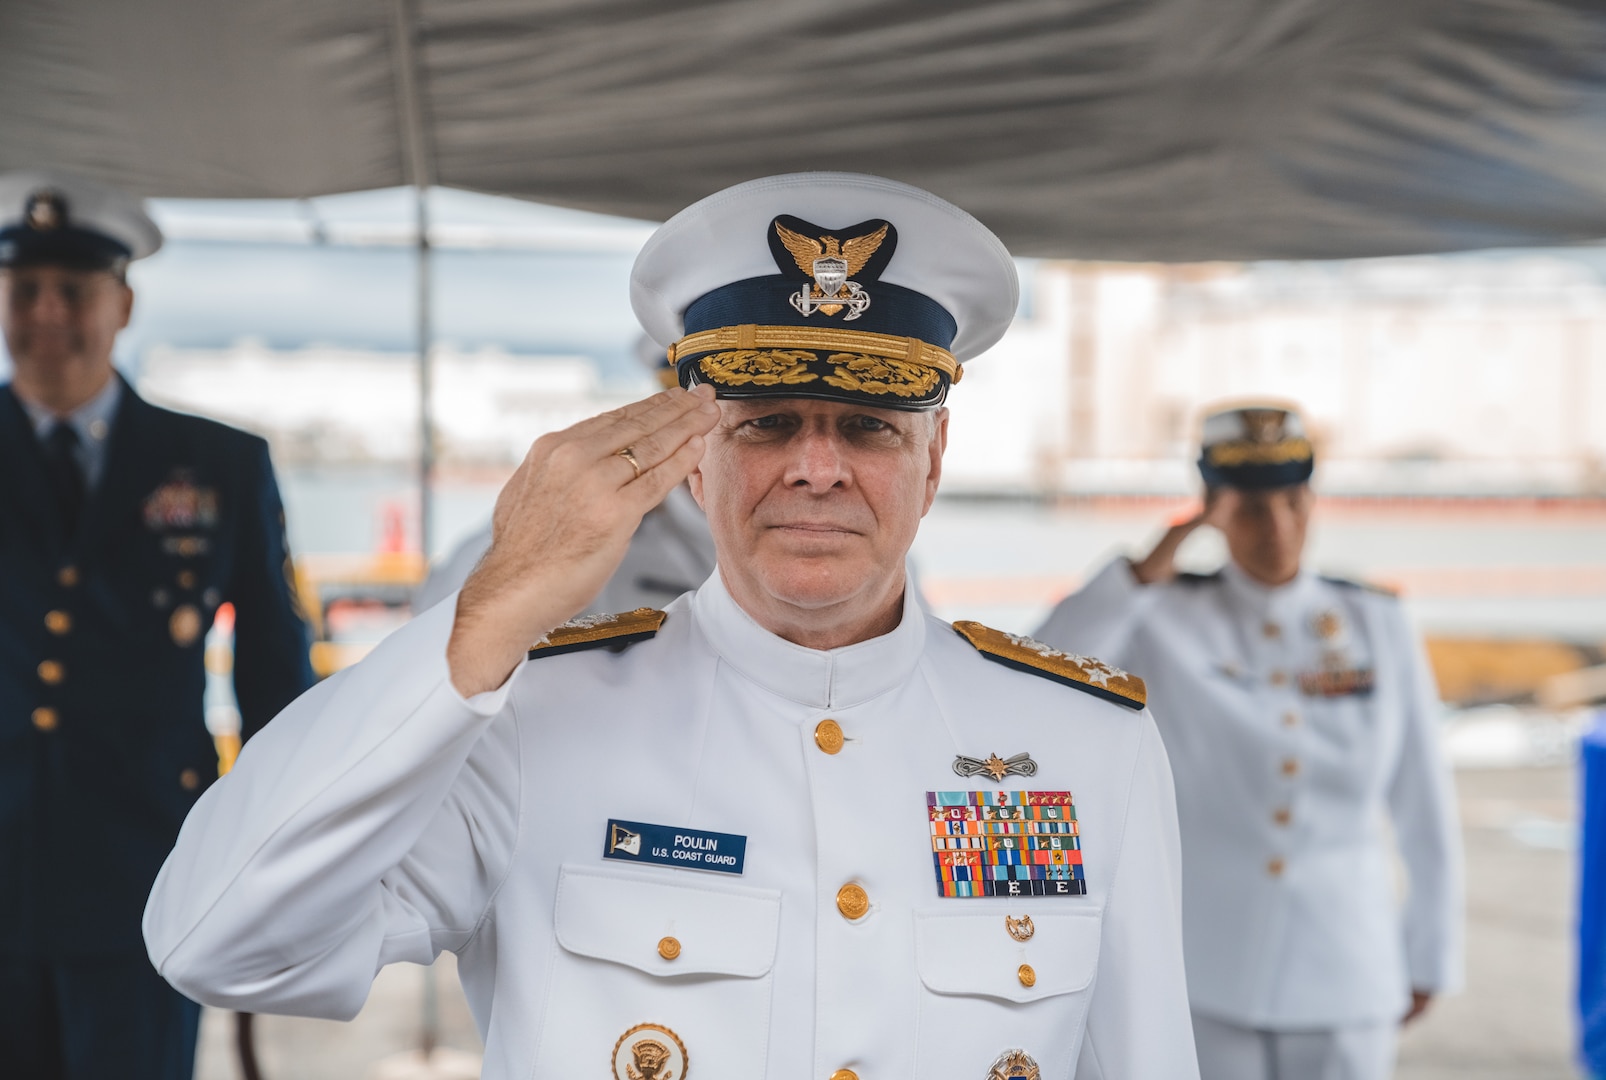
pixel 765 422
pixel 872 423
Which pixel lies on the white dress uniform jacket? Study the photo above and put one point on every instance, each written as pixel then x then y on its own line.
pixel 1297 719
pixel 384 818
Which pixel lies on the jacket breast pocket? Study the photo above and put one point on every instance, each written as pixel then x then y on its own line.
pixel 690 957
pixel 985 991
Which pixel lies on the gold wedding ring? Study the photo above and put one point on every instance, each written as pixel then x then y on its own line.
pixel 629 455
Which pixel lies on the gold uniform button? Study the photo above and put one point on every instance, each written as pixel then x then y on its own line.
pixel 1272 630
pixel 67 576
pixel 45 718
pixel 1290 766
pixel 1274 867
pixel 844 1074
pixel 1290 719
pixel 828 736
pixel 852 901
pixel 1027 977
pixel 669 947
pixel 189 779
pixel 51 672
pixel 58 622
pixel 1283 815
pixel 1277 678
pixel 186 579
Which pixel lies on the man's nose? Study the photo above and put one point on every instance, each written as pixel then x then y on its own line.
pixel 49 306
pixel 818 461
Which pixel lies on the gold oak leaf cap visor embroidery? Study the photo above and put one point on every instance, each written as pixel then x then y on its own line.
pixel 1255 446
pixel 826 285
pixel 55 218
pixel 1030 655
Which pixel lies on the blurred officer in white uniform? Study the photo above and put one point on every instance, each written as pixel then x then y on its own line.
pixel 672 551
pixel 726 840
pixel 1298 711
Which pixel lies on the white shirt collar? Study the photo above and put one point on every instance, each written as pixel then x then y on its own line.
pixel 835 678
pixel 92 420
pixel 1282 600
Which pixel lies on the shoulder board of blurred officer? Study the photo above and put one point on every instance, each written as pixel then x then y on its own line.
pixel 1033 657
pixel 1364 586
pixel 600 631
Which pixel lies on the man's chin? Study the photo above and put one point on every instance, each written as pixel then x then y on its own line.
pixel 814 582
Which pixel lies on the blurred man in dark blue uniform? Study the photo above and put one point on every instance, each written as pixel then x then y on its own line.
pixel 123 527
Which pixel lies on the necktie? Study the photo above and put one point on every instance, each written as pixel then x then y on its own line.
pixel 66 475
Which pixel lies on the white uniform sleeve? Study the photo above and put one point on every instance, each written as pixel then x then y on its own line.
pixel 1098 618
pixel 370 822
pixel 1139 1024
pixel 1422 804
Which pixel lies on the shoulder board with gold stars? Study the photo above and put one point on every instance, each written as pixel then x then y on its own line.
pixel 1030 655
pixel 1364 586
pixel 600 631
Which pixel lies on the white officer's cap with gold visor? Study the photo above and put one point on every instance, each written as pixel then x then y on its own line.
pixel 824 285
pixel 1254 446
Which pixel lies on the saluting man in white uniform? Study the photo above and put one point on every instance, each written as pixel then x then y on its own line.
pixel 791 826
pixel 1298 711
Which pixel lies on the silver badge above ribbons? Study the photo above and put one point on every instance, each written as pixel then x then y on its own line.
pixel 995 766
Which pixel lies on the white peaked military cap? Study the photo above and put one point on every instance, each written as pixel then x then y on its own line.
pixel 60 219
pixel 828 285
pixel 1255 445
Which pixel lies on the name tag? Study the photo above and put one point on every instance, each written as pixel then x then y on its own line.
pixel 690 849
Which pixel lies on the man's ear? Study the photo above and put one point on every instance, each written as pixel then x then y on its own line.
pixel 694 481
pixel 128 306
pixel 936 449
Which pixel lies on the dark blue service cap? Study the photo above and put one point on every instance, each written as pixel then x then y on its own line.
pixel 58 219
pixel 1254 447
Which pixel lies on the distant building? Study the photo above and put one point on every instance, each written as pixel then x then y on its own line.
pixel 324 405
pixel 1473 374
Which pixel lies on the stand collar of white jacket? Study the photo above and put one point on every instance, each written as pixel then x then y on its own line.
pixel 830 679
pixel 1270 601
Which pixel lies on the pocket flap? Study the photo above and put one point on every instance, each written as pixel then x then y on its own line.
pixel 626 918
pixel 974 954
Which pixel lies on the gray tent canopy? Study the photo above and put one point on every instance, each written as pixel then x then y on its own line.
pixel 1112 129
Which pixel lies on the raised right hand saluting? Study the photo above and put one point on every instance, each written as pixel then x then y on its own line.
pixel 563 523
pixel 1160 564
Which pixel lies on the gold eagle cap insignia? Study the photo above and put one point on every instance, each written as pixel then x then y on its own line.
pixel 830 263
pixel 855 252
pixel 1085 673
pixel 597 631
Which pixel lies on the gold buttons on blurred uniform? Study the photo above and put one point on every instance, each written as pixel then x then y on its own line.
pixel 1277 678
pixel 1290 718
pixel 1274 867
pixel 67 576
pixel 51 672
pixel 668 947
pixel 45 718
pixel 1283 815
pixel 1272 630
pixel 1028 977
pixel 1290 766
pixel 58 622
pixel 186 579
pixel 844 1074
pixel 828 736
pixel 189 779
pixel 852 901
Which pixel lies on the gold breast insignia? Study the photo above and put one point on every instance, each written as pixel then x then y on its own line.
pixel 1014 1065
pixel 649 1052
pixel 831 262
pixel 1020 929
